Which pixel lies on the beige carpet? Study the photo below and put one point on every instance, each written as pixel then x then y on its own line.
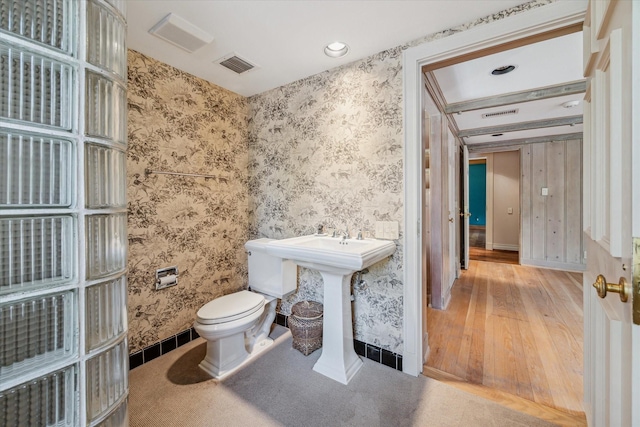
pixel 279 388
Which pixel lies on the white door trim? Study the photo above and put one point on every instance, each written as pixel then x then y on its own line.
pixel 543 19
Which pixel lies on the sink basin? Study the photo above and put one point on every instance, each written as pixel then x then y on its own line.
pixel 336 259
pixel 321 252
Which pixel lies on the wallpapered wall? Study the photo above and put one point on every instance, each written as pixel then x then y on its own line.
pixel 178 122
pixel 326 149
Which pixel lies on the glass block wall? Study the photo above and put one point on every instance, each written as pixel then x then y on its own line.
pixel 63 237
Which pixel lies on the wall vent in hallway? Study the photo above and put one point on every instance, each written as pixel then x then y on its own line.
pixel 500 113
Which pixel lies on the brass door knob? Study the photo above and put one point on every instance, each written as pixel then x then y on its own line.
pixel 602 287
pixel 450 219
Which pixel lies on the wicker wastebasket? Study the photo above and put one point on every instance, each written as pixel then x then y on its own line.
pixel 305 323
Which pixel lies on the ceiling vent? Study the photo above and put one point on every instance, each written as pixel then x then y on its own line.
pixel 500 113
pixel 181 33
pixel 235 63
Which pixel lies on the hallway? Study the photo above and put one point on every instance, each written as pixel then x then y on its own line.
pixel 477 251
pixel 514 329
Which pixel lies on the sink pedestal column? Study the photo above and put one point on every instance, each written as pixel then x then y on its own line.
pixel 339 360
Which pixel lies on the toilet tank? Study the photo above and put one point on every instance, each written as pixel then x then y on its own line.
pixel 268 274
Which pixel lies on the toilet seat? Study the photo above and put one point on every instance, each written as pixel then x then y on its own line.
pixel 230 307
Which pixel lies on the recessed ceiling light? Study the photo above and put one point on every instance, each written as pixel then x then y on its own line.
pixel 503 70
pixel 497 134
pixel 336 49
pixel 571 104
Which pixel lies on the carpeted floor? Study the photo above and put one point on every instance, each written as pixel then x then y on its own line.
pixel 279 388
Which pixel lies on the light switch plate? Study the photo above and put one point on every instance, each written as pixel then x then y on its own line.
pixel 394 230
pixel 379 230
pixel 545 191
pixel 388 230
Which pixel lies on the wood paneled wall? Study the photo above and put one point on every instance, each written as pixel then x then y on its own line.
pixel 552 224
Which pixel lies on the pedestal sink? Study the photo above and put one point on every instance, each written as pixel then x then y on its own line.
pixel 336 259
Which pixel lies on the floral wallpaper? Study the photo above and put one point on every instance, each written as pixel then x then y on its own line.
pixel 180 123
pixel 328 150
pixel 323 150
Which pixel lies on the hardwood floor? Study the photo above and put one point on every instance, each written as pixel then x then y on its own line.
pixel 496 255
pixel 477 251
pixel 477 236
pixel 514 329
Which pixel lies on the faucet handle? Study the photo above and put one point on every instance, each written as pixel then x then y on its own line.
pixel 359 235
pixel 319 229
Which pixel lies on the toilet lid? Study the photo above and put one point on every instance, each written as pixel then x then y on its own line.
pixel 230 307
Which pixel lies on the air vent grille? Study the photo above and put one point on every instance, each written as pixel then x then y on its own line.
pixel 181 33
pixel 500 113
pixel 237 64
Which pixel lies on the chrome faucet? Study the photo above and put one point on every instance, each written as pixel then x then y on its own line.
pixel 342 234
pixel 345 234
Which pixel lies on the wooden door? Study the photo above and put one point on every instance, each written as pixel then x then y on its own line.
pixel 464 213
pixel 612 123
pixel 454 257
pixel 449 214
pixel 445 221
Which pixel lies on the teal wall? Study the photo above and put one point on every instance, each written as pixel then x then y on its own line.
pixel 478 194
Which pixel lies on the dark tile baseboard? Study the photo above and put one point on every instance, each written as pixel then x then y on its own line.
pixel 163 347
pixel 371 352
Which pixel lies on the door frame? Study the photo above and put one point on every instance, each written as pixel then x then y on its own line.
pixel 544 19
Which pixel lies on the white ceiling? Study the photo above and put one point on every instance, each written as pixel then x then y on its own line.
pixel 552 62
pixel 538 65
pixel 286 38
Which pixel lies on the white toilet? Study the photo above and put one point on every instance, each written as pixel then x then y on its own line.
pixel 237 326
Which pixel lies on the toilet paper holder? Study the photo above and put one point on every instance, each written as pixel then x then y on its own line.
pixel 166 277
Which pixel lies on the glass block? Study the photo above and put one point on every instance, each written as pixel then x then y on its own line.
pixel 107 380
pixel 106 244
pixel 34 89
pixel 118 418
pixel 35 252
pixel 46 401
pixel 36 331
pixel 120 5
pixel 106 314
pixel 106 42
pixel 38 171
pixel 105 174
pixel 47 22
pixel 106 108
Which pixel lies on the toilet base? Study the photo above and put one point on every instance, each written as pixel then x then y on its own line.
pixel 230 366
